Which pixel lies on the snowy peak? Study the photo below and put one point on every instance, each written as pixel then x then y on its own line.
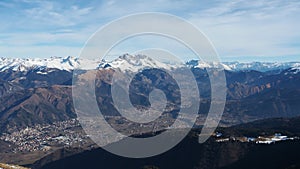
pixel 295 69
pixel 296 66
pixel 135 63
pixel 237 66
pixel 260 66
pixel 18 64
pixel 203 65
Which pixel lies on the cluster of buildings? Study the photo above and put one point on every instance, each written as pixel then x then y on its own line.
pixel 43 137
pixel 70 134
pixel 258 140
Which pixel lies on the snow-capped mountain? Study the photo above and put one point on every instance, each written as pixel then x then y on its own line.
pixel 133 63
pixel 238 66
pixel 261 66
pixel 295 69
pixel 203 65
pixel 68 63
pixel 20 64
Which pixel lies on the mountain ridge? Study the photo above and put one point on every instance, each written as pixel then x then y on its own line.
pixel 133 63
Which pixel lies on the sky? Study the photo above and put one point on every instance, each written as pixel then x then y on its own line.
pixel 240 30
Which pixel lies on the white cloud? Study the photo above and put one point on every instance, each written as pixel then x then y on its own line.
pixel 51 13
pixel 251 28
pixel 6 4
pixel 39 51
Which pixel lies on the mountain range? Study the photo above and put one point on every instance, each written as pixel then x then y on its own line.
pixel 132 63
pixel 39 90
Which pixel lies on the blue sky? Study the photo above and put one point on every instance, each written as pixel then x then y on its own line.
pixel 258 30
